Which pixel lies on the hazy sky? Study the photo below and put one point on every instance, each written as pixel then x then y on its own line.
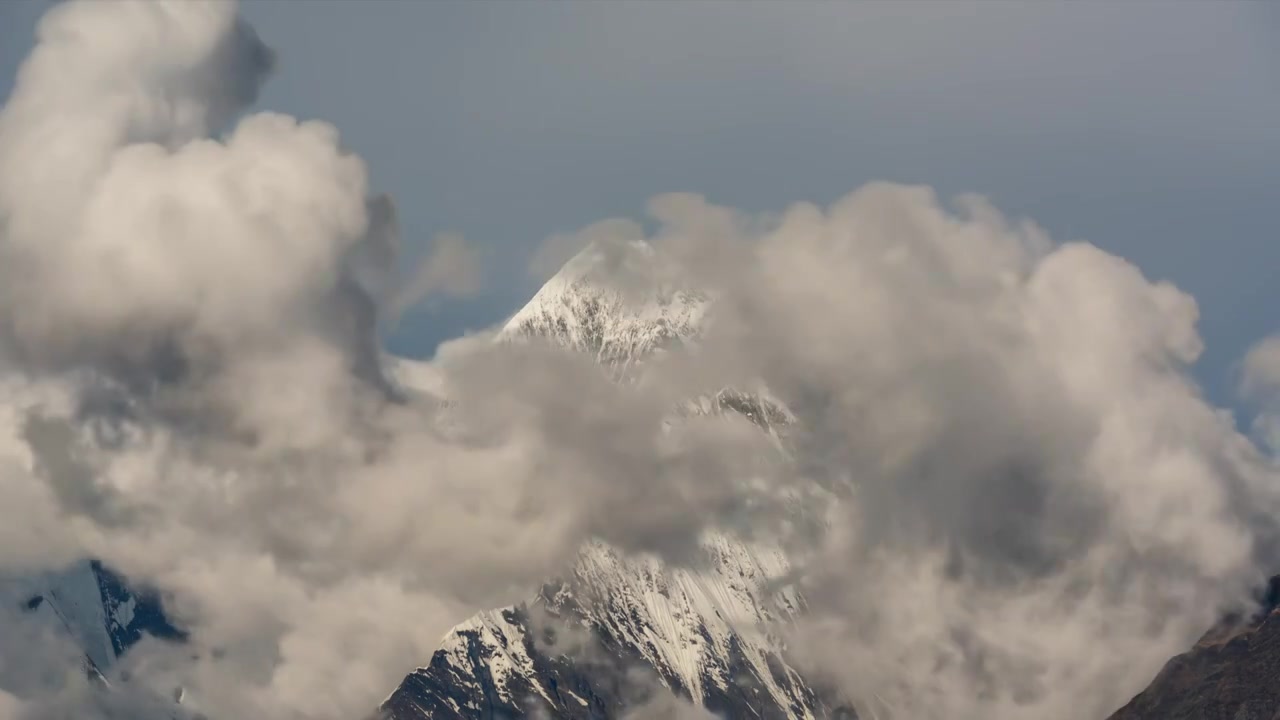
pixel 1150 129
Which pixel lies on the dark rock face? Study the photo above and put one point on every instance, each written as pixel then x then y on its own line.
pixel 146 616
pixel 1232 673
pixel 128 613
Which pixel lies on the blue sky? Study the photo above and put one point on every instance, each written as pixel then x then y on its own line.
pixel 1150 129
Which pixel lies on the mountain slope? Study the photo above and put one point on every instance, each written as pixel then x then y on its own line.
pixel 1230 674
pixel 621 628
pixel 612 633
pixel 91 605
pixel 617 301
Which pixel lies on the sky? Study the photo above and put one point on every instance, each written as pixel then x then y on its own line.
pixel 1149 129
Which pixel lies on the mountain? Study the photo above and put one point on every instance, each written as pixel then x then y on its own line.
pixel 618 301
pixel 623 304
pixel 99 615
pixel 94 606
pixel 601 641
pixel 1230 674
pixel 622 627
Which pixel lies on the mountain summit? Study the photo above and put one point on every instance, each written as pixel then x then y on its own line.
pixel 618 300
pixel 620 628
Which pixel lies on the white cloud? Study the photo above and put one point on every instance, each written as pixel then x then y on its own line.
pixel 194 393
pixel 1260 385
pixel 1042 507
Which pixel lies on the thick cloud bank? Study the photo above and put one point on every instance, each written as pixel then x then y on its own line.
pixel 1039 508
pixel 193 391
pixel 1035 505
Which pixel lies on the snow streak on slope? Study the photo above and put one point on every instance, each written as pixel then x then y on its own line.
pixel 604 638
pixel 575 650
pixel 699 630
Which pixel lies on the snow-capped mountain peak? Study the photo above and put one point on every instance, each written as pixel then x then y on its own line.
pixel 620 626
pixel 620 301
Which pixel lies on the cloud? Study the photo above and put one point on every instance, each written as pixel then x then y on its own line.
pixel 452 268
pixel 1036 505
pixel 558 249
pixel 193 392
pixel 1040 507
pixel 666 706
pixel 1260 385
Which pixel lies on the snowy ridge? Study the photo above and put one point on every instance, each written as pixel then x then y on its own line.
pixel 617 301
pixel 573 651
pixel 758 406
pixel 688 624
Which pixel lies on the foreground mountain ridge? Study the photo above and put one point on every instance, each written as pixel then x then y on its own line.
pixel 1230 674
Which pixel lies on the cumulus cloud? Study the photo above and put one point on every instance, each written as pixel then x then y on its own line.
pixel 1040 508
pixel 665 706
pixel 1260 385
pixel 1036 507
pixel 193 390
pixel 558 249
pixel 451 268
